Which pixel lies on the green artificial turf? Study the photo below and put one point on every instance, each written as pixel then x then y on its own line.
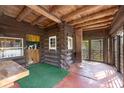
pixel 42 76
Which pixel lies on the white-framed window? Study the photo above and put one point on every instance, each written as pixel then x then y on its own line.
pixel 52 43
pixel 70 42
pixel 11 47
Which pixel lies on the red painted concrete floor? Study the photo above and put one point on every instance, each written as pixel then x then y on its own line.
pixel 16 85
pixel 91 75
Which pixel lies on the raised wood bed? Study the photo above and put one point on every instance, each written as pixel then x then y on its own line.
pixel 10 72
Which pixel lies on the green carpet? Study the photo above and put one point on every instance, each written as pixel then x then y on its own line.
pixel 42 76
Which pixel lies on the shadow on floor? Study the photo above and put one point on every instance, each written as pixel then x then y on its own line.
pixel 92 75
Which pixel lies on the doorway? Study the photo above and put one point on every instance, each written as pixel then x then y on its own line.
pixel 92 50
pixel 97 50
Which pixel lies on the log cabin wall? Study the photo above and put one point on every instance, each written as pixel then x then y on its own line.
pixel 62 56
pixel 50 56
pixel 9 27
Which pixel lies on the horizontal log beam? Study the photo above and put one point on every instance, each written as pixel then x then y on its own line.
pixel 26 11
pixel 84 11
pixel 44 12
pixel 96 21
pixel 41 18
pixel 96 28
pixel 98 15
pixel 96 25
pixel 38 20
pixel 50 24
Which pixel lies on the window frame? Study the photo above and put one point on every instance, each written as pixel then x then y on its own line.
pixel 50 46
pixel 13 47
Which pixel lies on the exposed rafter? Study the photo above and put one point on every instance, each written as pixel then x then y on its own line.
pixel 98 15
pixel 26 11
pixel 76 16
pixel 96 28
pixel 96 21
pixel 41 18
pixel 44 12
pixel 52 23
pixel 86 11
pixel 38 20
pixel 95 25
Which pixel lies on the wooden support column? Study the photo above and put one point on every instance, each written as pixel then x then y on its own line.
pixel 109 57
pixel 123 55
pixel 111 46
pixel 89 49
pixel 105 50
pixel 118 53
pixel 113 51
pixel 78 34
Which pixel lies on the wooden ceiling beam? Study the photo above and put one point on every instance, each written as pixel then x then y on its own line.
pixel 44 12
pixel 84 11
pixel 26 11
pixel 52 9
pixel 101 14
pixel 96 21
pixel 41 18
pixel 96 28
pixel 38 20
pixel 96 25
pixel 50 24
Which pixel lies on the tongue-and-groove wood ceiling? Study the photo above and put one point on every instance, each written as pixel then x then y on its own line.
pixel 86 17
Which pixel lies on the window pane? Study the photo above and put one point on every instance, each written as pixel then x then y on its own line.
pixel 52 42
pixel 10 47
pixel 85 49
pixel 97 50
pixel 70 43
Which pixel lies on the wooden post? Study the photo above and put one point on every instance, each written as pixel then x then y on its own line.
pixel 105 53
pixel 113 51
pixel 78 34
pixel 118 53
pixel 111 47
pixel 123 56
pixel 89 49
